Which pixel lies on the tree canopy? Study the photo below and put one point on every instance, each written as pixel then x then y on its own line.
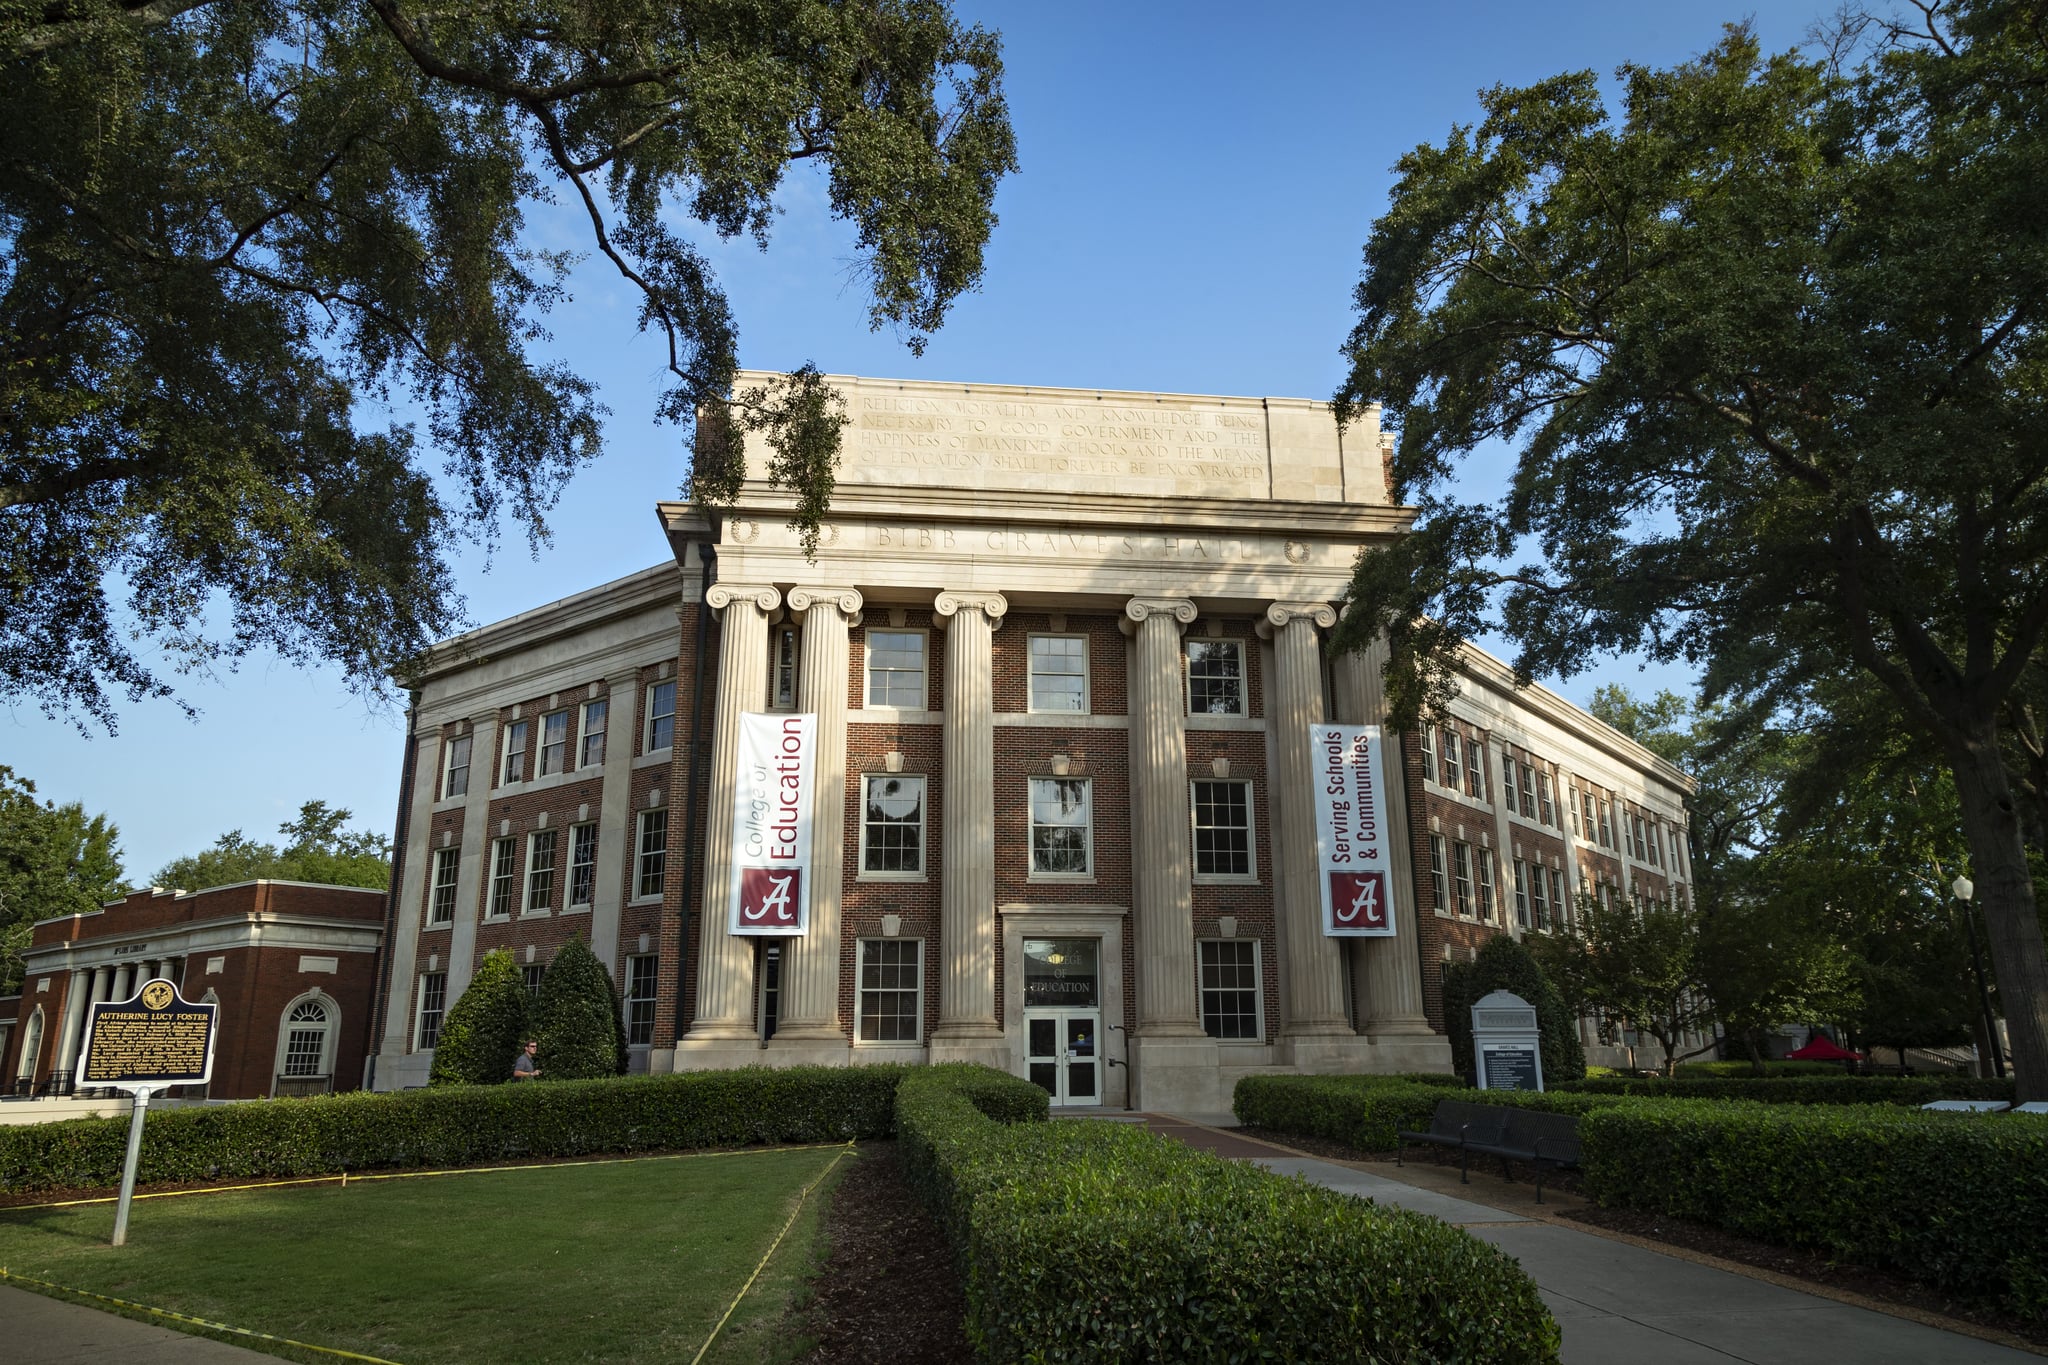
pixel 1768 348
pixel 237 234
pixel 54 860
pixel 319 850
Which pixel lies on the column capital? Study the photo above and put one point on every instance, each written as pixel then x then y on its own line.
pixel 1138 609
pixel 1281 614
pixel 847 601
pixel 763 595
pixel 990 604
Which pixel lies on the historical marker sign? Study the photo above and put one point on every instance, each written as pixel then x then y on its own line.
pixel 1510 1067
pixel 154 1039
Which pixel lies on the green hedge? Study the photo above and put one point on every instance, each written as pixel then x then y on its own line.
pixel 1369 1112
pixel 458 1126
pixel 1958 1201
pixel 1836 1089
pixel 1093 1241
pixel 1747 1071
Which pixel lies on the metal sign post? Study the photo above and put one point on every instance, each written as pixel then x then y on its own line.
pixel 149 1042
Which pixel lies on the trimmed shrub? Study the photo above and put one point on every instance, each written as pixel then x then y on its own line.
pixel 1804 1089
pixel 1505 965
pixel 1747 1070
pixel 459 1126
pixel 1088 1241
pixel 484 1029
pixel 1957 1201
pixel 581 1030
pixel 1369 1112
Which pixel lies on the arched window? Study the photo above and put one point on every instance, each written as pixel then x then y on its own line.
pixel 306 1039
pixel 31 1044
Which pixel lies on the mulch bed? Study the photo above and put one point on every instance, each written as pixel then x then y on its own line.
pixel 889 1293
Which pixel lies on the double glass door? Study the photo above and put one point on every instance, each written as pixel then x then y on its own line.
pixel 1064 1053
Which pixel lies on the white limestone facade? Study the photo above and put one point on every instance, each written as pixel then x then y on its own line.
pixel 1064 648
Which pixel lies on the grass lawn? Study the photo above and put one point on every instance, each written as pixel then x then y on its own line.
pixel 618 1261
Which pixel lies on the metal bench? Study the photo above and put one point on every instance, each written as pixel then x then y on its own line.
pixel 1549 1142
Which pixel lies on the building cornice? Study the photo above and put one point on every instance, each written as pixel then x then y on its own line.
pixel 648 590
pixel 1477 666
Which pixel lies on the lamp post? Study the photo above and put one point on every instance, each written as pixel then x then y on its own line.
pixel 1963 886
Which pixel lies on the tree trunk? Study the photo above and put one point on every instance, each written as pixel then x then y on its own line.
pixel 2005 890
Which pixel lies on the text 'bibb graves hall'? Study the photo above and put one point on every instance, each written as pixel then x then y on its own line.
pixel 1035 731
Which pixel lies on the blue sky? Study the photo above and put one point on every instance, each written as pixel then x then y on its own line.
pixel 1198 182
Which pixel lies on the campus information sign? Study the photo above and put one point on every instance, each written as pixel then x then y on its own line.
pixel 142 1045
pixel 1352 851
pixel 771 824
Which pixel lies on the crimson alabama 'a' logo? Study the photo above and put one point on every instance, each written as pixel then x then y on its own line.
pixel 1359 899
pixel 770 896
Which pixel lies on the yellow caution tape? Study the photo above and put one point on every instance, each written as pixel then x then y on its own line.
pixel 804 1194
pixel 345 1177
pixel 7 1275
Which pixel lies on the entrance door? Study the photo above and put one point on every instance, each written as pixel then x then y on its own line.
pixel 1065 1054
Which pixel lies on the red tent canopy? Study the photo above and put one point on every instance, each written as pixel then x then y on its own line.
pixel 1821 1050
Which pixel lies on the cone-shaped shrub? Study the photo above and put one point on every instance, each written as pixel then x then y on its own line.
pixel 486 1027
pixel 1505 965
pixel 581 1034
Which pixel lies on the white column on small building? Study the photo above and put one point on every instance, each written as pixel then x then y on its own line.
pixel 725 961
pixel 1315 969
pixel 76 994
pixel 967 875
pixel 810 965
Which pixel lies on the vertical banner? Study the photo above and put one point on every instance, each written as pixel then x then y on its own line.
pixel 771 824
pixel 1353 859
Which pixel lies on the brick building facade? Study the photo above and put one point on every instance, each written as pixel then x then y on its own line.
pixel 292 966
pixel 1064 650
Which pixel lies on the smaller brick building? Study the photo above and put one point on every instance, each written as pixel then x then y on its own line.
pixel 291 965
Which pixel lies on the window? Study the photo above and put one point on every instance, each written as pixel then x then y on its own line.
pixel 896 668
pixel 531 976
pixel 1521 893
pixel 582 863
pixel 1677 850
pixel 1223 829
pixel 1062 827
pixel 1461 852
pixel 1507 782
pixel 433 1001
pixel 1475 779
pixel 540 871
pixel 447 866
pixel 1586 805
pixel 1427 734
pixel 455 778
pixel 1537 900
pixel 1606 825
pixel 1216 678
pixel 1059 673
pixel 305 1044
pixel 640 978
pixel 782 670
pixel 1650 844
pixel 1483 858
pixel 651 867
pixel 1528 792
pixel 661 716
pixel 1544 799
pixel 502 856
pixel 1436 872
pixel 592 749
pixel 891 1003
pixel 892 829
pixel 1447 760
pixel 554 742
pixel 1230 988
pixel 515 752
pixel 1558 901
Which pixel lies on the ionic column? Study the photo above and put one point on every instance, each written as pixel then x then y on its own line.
pixel 1393 967
pixel 967 876
pixel 1164 870
pixel 725 962
pixel 75 996
pixel 1315 969
pixel 810 965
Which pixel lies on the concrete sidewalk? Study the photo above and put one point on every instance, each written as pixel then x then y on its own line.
pixel 1621 1304
pixel 53 1332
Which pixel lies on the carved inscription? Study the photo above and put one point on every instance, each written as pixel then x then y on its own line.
pixel 1068 442
pixel 1028 542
